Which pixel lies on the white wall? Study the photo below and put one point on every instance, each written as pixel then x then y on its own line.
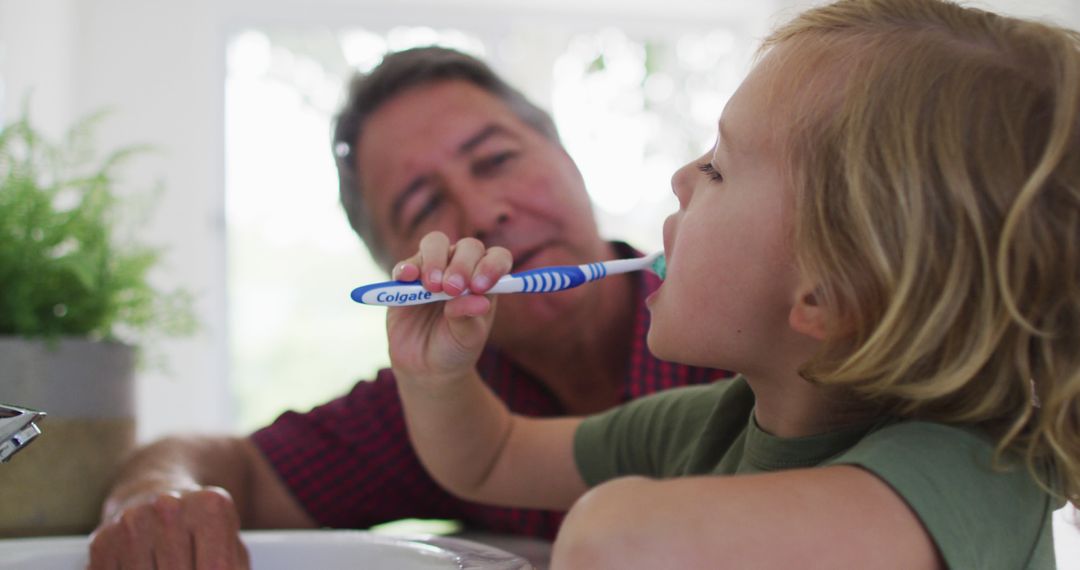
pixel 158 66
pixel 36 52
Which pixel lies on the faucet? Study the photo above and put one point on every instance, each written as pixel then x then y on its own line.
pixel 17 429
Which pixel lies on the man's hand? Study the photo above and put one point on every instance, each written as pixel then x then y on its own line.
pixel 196 528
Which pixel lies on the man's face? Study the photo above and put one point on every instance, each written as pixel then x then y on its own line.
pixel 451 157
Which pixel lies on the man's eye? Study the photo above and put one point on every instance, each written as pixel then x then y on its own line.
pixel 426 210
pixel 711 172
pixel 491 164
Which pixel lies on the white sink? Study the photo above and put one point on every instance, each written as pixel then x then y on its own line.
pixel 281 550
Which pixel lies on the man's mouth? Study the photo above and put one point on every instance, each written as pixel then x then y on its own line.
pixel 522 258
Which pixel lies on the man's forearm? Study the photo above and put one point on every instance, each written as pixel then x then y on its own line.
pixel 178 503
pixel 178 465
pixel 183 501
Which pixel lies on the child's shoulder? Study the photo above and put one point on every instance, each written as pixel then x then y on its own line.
pixel 964 495
pixel 953 452
pixel 701 399
pixel 926 436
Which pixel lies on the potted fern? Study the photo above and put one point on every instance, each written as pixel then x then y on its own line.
pixel 76 307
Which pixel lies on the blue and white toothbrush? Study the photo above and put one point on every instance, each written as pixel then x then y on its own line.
pixel 540 280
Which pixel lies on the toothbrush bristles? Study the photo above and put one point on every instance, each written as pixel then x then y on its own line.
pixel 659 266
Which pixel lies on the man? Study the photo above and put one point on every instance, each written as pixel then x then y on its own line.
pixel 430 140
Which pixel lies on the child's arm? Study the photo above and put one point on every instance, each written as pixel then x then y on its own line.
pixel 465 436
pixel 830 517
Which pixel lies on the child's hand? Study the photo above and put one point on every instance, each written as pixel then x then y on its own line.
pixel 441 341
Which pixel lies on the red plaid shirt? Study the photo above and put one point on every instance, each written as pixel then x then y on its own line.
pixel 350 464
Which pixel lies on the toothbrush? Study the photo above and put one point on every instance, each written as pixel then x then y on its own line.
pixel 540 280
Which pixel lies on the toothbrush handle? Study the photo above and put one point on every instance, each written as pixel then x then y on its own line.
pixel 541 280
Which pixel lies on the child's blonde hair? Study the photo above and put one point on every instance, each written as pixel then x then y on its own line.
pixel 935 154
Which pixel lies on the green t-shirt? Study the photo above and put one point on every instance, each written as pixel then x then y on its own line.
pixel 978 516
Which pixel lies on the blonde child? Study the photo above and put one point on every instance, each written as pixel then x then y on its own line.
pixel 883 242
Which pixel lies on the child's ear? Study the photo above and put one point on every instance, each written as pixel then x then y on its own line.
pixel 808 316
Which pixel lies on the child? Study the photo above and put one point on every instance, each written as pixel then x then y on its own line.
pixel 883 242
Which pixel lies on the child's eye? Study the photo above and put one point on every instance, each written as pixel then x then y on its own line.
pixel 711 172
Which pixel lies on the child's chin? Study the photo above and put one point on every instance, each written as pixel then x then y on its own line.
pixel 657 347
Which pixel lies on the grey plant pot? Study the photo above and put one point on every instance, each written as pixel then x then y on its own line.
pixel 57 484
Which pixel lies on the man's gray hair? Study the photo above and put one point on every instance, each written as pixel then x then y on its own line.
pixel 397 73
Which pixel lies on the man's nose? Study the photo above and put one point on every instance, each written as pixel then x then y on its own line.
pixel 484 213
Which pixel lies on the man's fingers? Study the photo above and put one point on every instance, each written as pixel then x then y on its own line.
pixel 220 551
pixel 133 550
pixel 211 517
pixel 185 530
pixel 170 537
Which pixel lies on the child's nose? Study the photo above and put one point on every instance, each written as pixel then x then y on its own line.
pixel 682 182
